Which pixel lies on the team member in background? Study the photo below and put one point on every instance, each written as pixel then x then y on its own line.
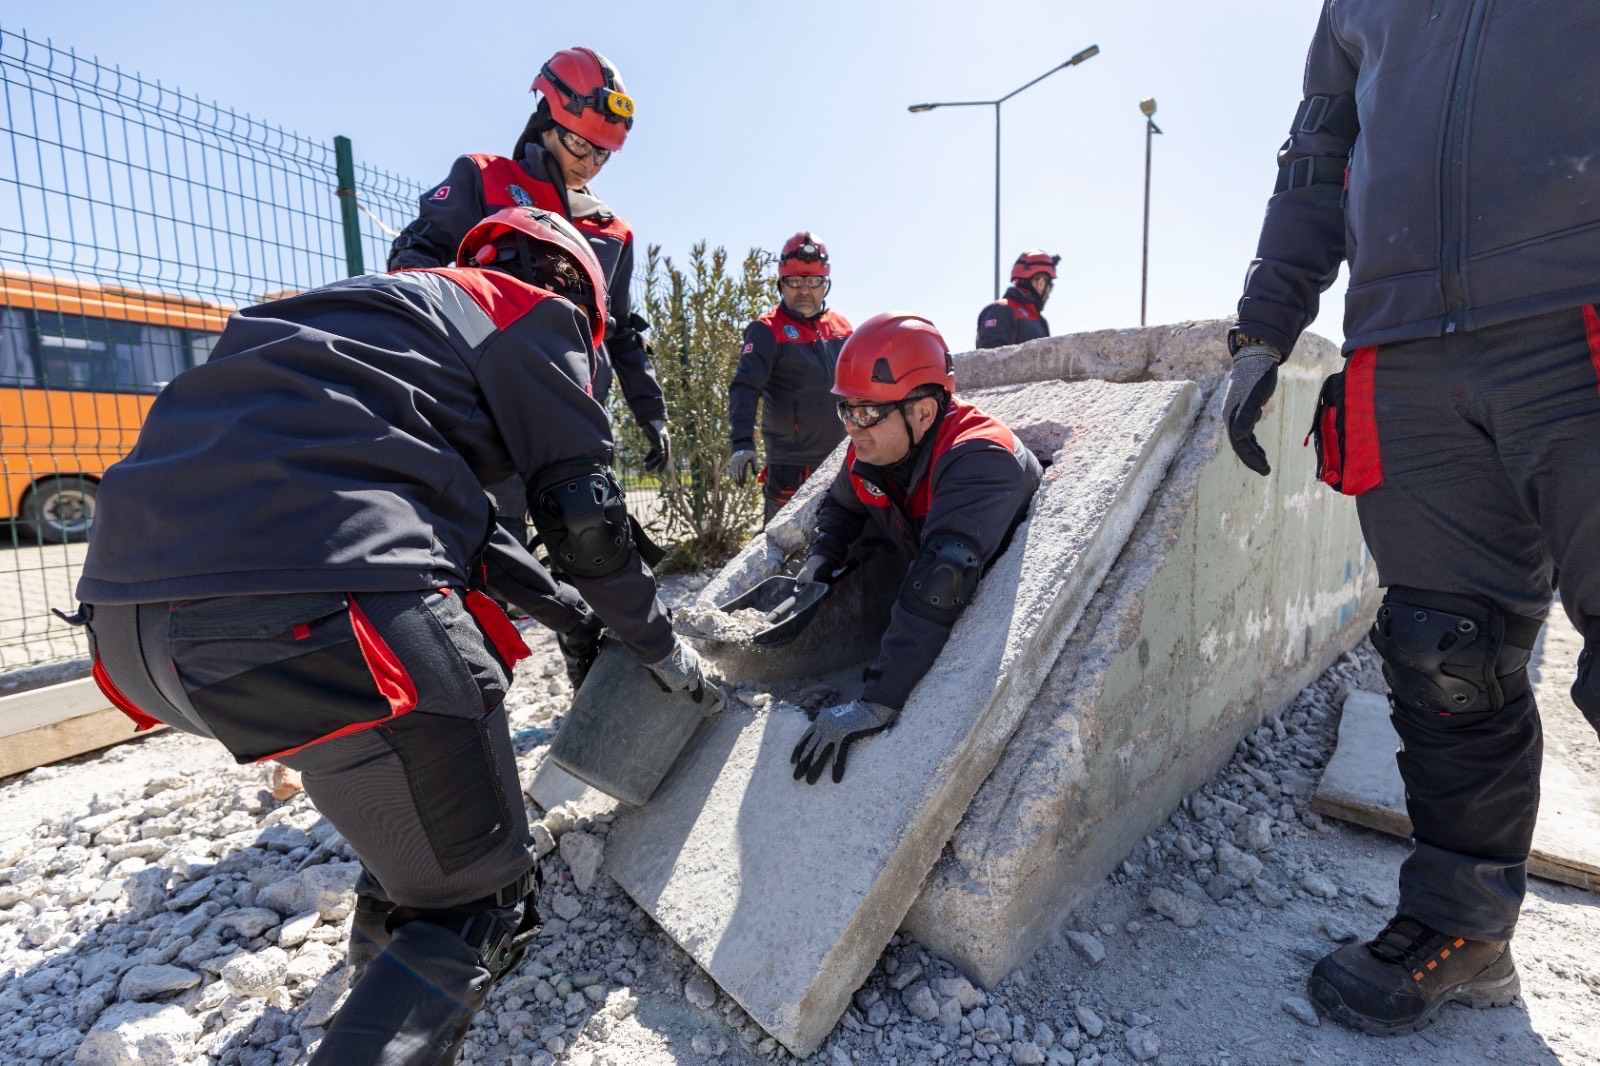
pixel 1019 315
pixel 583 116
pixel 787 365
pixel 289 559
pixel 943 482
pixel 1446 154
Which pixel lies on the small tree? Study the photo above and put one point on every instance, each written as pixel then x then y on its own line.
pixel 698 316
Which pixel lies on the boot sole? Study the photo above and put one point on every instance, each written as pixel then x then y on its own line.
pixel 1477 994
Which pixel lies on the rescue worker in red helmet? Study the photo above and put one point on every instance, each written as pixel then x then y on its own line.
pixel 943 482
pixel 1019 315
pixel 583 117
pixel 787 365
pixel 322 471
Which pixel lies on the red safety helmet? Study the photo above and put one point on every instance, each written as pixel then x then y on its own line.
pixel 485 244
pixel 586 96
pixel 1034 261
pixel 891 354
pixel 803 254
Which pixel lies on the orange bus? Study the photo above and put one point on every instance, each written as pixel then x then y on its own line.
pixel 80 365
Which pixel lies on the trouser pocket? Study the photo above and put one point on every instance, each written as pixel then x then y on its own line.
pixel 270 675
pixel 1345 429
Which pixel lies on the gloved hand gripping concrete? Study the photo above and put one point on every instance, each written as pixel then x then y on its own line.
pixel 830 736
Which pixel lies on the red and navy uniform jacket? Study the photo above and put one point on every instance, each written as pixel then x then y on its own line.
pixel 787 363
pixel 339 441
pixel 974 478
pixel 480 185
pixel 1012 319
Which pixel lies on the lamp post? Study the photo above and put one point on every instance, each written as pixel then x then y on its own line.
pixel 1148 107
pixel 1092 50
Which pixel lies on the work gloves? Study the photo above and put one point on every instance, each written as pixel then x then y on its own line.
pixel 579 647
pixel 680 672
pixel 1251 383
pixel 659 457
pixel 742 467
pixel 817 568
pixel 832 733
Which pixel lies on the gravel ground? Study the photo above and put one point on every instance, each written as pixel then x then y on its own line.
pixel 157 905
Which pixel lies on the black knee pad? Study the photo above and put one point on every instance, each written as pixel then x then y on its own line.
pixel 498 927
pixel 1445 654
pixel 1586 689
pixel 942 578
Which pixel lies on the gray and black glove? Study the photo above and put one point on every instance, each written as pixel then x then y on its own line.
pixel 680 672
pixel 817 568
pixel 830 736
pixel 742 467
pixel 579 647
pixel 659 457
pixel 1251 383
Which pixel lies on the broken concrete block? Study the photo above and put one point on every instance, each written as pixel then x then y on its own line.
pixel 1231 595
pixel 786 893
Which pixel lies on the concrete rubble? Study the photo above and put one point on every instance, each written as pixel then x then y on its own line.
pixel 786 893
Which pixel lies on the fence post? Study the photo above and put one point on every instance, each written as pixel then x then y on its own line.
pixel 347 206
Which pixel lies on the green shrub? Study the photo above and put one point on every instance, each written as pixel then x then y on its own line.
pixel 698 315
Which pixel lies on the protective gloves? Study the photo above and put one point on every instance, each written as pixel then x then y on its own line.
pixel 579 647
pixel 680 672
pixel 1251 383
pixel 830 737
pixel 816 568
pixel 659 457
pixel 742 467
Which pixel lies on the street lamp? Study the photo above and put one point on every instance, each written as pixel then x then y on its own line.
pixel 1148 107
pixel 1092 50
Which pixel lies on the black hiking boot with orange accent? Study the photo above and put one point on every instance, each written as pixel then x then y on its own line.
pixel 1397 982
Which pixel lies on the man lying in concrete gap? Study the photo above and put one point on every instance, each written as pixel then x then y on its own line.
pixel 938 479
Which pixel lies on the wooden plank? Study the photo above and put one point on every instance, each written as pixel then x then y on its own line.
pixel 1362 785
pixel 63 739
pixel 24 711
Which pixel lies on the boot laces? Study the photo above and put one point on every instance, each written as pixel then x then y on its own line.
pixel 1404 941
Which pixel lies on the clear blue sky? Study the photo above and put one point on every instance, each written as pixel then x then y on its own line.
pixel 758 118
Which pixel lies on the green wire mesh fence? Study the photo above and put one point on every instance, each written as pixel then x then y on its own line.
pixel 133 219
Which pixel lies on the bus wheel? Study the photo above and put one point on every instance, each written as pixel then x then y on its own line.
pixel 59 510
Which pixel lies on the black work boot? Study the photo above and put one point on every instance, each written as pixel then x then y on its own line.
pixel 1397 982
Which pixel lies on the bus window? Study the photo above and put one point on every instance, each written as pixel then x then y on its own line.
pixel 201 345
pixel 16 357
pixel 97 353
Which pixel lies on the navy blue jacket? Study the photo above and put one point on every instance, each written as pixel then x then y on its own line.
pixel 787 363
pixel 1453 167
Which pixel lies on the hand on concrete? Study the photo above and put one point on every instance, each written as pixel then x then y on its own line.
pixel 680 672
pixel 830 736
pixel 659 457
pixel 579 647
pixel 817 568
pixel 742 467
pixel 1251 383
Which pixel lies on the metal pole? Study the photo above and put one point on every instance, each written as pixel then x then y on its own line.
pixel 345 161
pixel 1144 273
pixel 997 289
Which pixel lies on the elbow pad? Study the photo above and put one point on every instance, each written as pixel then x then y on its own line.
pixel 582 519
pixel 943 578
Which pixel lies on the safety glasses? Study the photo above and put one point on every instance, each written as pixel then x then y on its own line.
pixel 581 148
pixel 865 415
pixel 804 281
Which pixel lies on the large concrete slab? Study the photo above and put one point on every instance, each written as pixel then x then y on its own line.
pixel 1362 782
pixel 786 894
pixel 1233 593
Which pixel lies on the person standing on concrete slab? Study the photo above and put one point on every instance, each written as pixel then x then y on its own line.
pixel 290 561
pixel 786 366
pixel 1442 154
pixel 1018 315
pixel 582 118
pixel 941 481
